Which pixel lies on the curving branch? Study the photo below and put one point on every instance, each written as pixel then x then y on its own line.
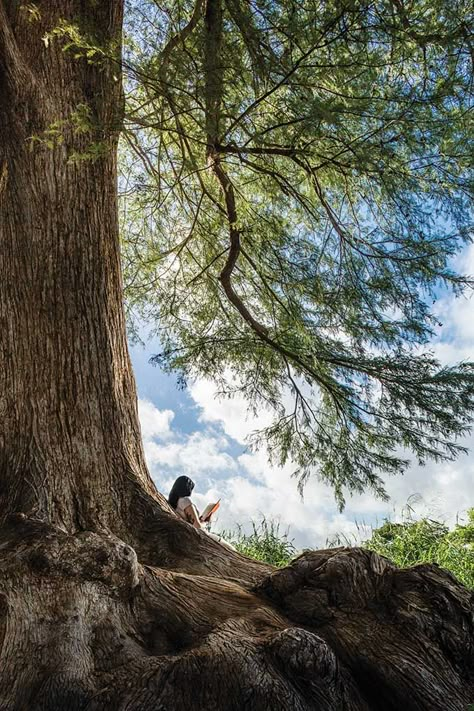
pixel 234 251
pixel 214 79
pixel 225 278
pixel 179 38
pixel 214 89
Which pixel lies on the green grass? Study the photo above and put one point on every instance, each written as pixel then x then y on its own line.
pixel 406 544
pixel 428 541
pixel 265 543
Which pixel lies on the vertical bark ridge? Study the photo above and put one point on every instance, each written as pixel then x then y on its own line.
pixel 67 395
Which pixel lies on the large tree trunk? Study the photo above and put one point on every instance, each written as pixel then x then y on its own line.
pixel 68 404
pixel 107 600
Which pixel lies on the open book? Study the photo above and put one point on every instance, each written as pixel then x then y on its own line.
pixel 208 511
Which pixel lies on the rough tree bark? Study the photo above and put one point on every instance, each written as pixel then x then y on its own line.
pixel 107 600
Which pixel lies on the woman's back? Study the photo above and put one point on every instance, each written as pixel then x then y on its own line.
pixel 182 504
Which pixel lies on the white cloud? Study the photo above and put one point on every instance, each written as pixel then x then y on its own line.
pixel 455 337
pixel 198 452
pixel 168 449
pixel 231 413
pixel 446 488
pixel 154 423
pixel 464 262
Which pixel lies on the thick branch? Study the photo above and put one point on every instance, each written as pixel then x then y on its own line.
pixel 179 38
pixel 234 251
pixel 213 70
pixel 214 79
pixel 214 89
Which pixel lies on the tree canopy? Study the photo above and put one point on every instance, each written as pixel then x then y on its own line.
pixel 297 178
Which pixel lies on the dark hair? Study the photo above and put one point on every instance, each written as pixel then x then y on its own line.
pixel 183 486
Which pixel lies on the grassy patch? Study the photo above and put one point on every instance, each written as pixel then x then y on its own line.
pixel 265 542
pixel 408 543
pixel 428 541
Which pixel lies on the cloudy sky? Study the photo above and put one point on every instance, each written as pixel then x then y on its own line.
pixel 191 432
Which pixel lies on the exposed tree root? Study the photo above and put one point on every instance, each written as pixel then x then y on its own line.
pixel 342 629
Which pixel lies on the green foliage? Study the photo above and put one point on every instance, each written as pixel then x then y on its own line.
pixel 264 543
pixel 31 10
pixel 80 44
pixel 296 179
pixel 428 541
pixel 52 136
pixel 405 544
pixel 80 122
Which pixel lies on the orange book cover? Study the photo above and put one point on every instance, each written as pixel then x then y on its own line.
pixel 209 510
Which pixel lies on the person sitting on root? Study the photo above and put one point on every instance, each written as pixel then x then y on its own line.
pixel 180 500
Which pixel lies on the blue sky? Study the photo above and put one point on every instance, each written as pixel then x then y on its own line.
pixel 192 432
